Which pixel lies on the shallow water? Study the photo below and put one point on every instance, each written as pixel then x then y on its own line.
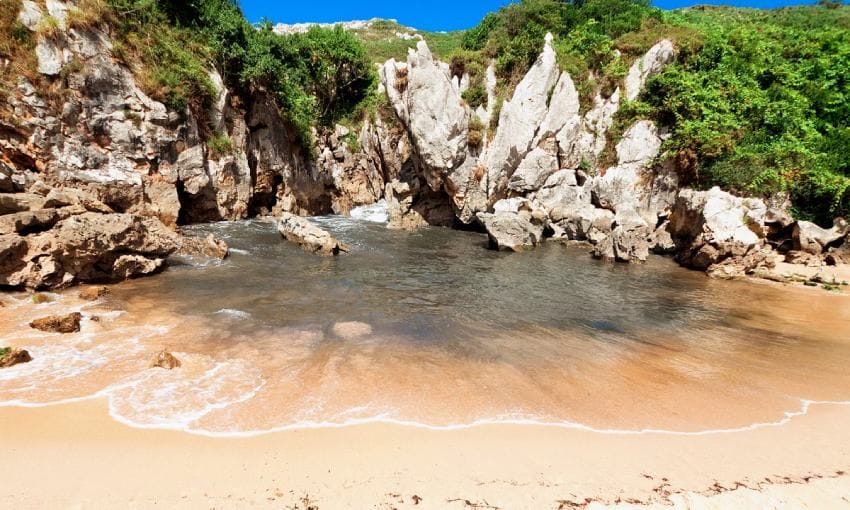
pixel 431 328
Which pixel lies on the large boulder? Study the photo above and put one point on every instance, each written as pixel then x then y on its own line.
pixel 514 225
pixel 511 231
pixel 810 238
pixel 713 228
pixel 308 236
pixel 86 247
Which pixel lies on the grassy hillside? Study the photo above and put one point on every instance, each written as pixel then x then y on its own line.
pixel 382 42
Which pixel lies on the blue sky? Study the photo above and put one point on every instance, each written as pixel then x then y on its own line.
pixel 422 14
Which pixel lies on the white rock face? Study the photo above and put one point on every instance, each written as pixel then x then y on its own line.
pixel 651 64
pixel 563 108
pixel 533 171
pixel 521 118
pixel 431 107
pixel 640 144
pixel 438 119
pixel 30 14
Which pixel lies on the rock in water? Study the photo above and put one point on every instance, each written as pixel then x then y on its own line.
pixel 166 360
pixel 308 236
pixel 510 231
pixel 209 246
pixel 12 357
pixel 59 324
pixel 93 293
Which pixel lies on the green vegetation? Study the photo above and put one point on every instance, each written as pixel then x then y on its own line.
pixel 219 145
pixel 5 351
pixel 317 78
pixel 382 43
pixel 758 100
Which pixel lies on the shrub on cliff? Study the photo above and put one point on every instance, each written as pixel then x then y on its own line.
pixel 318 77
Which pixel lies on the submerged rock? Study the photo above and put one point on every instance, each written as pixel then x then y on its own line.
pixel 351 330
pixel 10 357
pixel 58 323
pixel 308 236
pixel 166 360
pixel 93 293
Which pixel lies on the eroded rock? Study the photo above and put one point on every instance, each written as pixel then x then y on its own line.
pixel 308 236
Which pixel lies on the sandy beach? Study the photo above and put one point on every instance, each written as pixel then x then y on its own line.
pixel 76 456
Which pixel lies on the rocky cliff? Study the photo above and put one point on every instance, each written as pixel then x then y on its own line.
pixel 551 168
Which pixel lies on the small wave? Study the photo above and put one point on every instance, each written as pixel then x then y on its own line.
pixel 375 213
pixel 230 312
pixel 237 251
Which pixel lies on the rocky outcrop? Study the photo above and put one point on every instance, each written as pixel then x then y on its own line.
pixel 720 233
pixel 165 360
pixel 106 136
pixel 64 241
pixel 10 357
pixel 58 324
pixel 514 225
pixel 309 237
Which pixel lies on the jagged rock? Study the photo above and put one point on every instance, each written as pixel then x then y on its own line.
pixel 532 172
pixel 208 246
pixel 714 227
pixel 11 357
pixel 93 293
pixel 640 144
pixel 309 237
pixel 840 255
pixel 561 189
pixel 166 360
pixel 30 15
pixel 520 119
pixel 511 231
pixel 431 109
pixel 813 239
pixel 129 266
pixel 58 324
pixel 652 63
pixel 85 247
pixel 584 222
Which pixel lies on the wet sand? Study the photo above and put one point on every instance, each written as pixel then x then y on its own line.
pixel 75 456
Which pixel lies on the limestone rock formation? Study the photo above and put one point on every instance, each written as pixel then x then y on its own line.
pixel 719 233
pixel 308 236
pixel 50 248
pixel 58 324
